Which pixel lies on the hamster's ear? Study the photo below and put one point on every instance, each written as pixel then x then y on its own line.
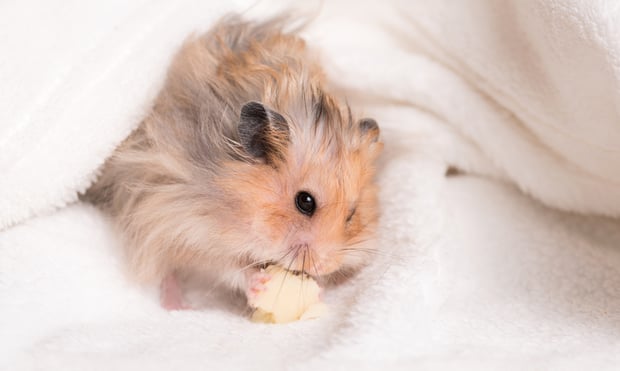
pixel 263 133
pixel 369 129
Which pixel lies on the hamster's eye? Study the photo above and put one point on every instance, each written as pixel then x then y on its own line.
pixel 305 203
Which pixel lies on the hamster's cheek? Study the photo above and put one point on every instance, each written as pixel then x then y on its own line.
pixel 357 258
pixel 329 264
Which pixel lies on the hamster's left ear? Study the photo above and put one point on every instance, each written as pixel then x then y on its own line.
pixel 263 133
pixel 369 129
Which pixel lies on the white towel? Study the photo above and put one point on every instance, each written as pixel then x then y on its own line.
pixel 535 85
pixel 472 274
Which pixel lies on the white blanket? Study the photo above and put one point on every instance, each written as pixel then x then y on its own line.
pixel 472 274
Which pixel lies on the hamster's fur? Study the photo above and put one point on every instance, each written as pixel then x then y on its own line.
pixel 211 179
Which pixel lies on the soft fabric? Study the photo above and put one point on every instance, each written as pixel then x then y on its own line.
pixel 76 79
pixel 472 272
pixel 534 85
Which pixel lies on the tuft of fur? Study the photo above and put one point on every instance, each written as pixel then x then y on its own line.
pixel 186 194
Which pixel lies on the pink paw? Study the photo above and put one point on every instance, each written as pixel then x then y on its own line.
pixel 256 281
pixel 171 296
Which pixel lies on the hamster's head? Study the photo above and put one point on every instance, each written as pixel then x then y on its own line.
pixel 305 198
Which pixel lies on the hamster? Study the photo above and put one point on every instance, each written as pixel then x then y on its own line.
pixel 245 159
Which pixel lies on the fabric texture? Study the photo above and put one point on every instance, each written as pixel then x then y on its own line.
pixel 513 263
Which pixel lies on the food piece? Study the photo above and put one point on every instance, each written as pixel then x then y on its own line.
pixel 287 297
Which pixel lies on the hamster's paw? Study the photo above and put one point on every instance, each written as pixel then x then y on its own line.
pixel 287 296
pixel 256 280
pixel 171 295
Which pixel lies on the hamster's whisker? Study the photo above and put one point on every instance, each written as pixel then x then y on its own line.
pixel 301 282
pixel 364 240
pixel 286 272
pixel 316 270
pixel 334 276
pixel 362 249
pixel 359 250
pixel 303 259
pixel 256 264
pixel 365 225
pixel 283 258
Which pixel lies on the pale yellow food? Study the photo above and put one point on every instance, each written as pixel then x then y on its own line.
pixel 288 297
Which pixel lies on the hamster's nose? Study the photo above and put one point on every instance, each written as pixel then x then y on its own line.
pixel 312 258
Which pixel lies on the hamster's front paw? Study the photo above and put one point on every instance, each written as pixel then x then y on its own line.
pixel 280 296
pixel 256 283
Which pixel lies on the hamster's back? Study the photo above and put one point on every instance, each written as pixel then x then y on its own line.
pixel 192 126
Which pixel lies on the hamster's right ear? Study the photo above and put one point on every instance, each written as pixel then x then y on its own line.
pixel 369 129
pixel 263 133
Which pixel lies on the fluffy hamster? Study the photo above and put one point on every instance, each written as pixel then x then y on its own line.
pixel 244 159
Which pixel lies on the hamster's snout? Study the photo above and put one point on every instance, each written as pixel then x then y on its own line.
pixel 311 255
